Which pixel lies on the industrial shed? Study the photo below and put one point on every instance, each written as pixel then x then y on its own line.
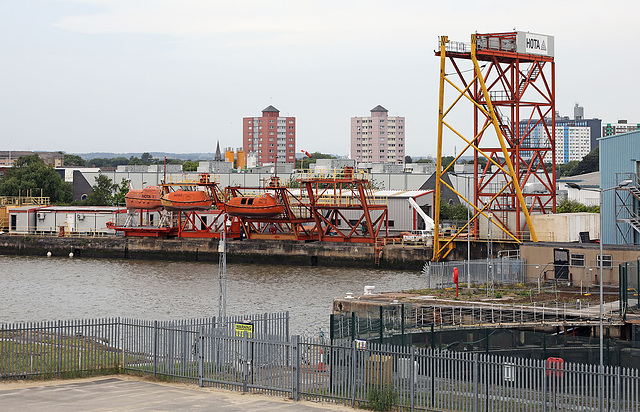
pixel 86 220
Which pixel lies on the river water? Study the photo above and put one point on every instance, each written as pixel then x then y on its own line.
pixel 41 288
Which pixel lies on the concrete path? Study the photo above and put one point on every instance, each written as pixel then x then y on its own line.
pixel 126 393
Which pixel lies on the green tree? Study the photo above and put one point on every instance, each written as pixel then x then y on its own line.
pixel 452 212
pixel 135 161
pixel 190 166
pixel 572 206
pixel 102 194
pixel 408 159
pixel 314 156
pixel 104 162
pixel 120 192
pixel 427 160
pixel 74 160
pixel 567 169
pixel 146 158
pixel 446 160
pixel 590 163
pixel 30 173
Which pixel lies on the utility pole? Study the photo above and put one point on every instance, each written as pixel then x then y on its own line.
pixel 222 275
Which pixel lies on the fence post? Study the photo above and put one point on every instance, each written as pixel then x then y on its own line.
pixel 618 384
pixel 201 356
pixel 413 371
pixel 155 348
pixel 245 360
pixel 544 384
pixel 118 339
pixel 353 326
pixel 476 382
pixel 59 348
pixel 381 324
pixel 402 323
pixel 354 367
pixel 295 379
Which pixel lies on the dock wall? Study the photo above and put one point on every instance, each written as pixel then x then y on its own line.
pixel 245 251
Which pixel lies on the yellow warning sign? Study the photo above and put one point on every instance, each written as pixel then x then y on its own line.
pixel 244 328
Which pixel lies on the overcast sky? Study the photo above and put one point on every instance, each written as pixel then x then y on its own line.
pixel 179 75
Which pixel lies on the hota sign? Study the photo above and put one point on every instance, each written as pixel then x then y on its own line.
pixel 531 43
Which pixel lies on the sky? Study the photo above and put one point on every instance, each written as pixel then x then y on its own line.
pixel 179 75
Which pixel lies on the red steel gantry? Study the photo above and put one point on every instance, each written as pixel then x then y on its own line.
pixel 331 207
pixel 511 87
pixel 344 207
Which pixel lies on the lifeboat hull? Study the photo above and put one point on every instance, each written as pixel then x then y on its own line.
pixel 186 200
pixel 147 198
pixel 262 206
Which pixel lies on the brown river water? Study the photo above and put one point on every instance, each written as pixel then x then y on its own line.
pixel 56 288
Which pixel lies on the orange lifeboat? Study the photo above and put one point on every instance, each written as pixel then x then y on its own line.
pixel 260 206
pixel 145 198
pixel 186 200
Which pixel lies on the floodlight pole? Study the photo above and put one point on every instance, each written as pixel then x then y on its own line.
pixel 600 262
pixel 222 276
pixel 468 241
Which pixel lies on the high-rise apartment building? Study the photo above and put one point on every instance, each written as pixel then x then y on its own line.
pixel 378 138
pixel 578 120
pixel 609 129
pixel 269 136
pixel 572 142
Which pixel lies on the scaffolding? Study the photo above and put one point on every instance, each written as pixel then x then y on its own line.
pixel 510 86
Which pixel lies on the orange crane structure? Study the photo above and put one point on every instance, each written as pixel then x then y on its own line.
pixel 510 87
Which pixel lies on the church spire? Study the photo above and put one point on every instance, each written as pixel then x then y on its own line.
pixel 218 153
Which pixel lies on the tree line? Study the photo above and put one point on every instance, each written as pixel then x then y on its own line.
pixel 145 159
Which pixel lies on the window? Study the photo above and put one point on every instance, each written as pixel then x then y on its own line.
pixel 606 261
pixel 577 259
pixel 392 223
pixel 271 121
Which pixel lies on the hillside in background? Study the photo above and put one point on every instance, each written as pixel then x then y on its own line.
pixel 157 155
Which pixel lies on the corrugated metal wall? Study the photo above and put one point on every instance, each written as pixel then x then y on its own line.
pixel 618 154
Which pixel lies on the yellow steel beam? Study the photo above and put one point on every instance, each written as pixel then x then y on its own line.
pixel 481 211
pixel 436 201
pixel 477 149
pixel 494 119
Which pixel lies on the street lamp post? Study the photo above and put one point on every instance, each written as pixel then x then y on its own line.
pixel 468 242
pixel 489 248
pixel 599 261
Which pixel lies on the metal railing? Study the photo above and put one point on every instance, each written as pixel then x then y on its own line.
pixel 403 319
pixel 358 373
pixel 77 347
pixel 332 174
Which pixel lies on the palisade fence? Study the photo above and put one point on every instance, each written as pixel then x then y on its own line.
pixel 506 271
pixel 268 361
pixel 93 346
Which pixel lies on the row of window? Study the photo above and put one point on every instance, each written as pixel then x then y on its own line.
pixel 259 121
pixel 578 260
pixel 381 120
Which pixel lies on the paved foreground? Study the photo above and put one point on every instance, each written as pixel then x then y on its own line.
pixel 127 393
